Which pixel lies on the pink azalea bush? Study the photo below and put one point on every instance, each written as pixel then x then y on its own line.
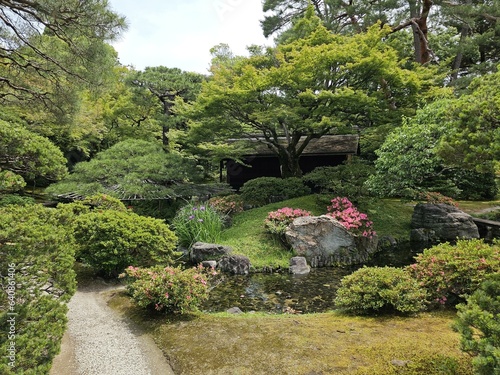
pixel 435 198
pixel 277 221
pixel 227 205
pixel 344 212
pixel 169 289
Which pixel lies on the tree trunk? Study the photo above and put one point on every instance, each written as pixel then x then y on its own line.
pixel 289 164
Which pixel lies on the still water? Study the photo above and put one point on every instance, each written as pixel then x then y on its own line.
pixel 283 292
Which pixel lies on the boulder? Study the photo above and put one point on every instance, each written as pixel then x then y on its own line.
pixel 434 223
pixel 298 266
pixel 234 264
pixel 324 242
pixel 201 251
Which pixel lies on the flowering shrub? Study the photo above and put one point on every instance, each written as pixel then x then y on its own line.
pixel 344 211
pixel 448 271
pixel 380 289
pixel 227 205
pixel 434 198
pixel 277 221
pixel 169 289
pixel 194 223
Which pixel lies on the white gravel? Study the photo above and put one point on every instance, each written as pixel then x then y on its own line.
pixel 99 342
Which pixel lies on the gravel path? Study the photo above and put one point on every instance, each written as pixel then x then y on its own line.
pixel 99 342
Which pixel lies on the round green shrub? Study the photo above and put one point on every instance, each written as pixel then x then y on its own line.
pixel 479 325
pixel 452 272
pixel 263 190
pixel 111 240
pixel 169 289
pixel 13 199
pixel 380 290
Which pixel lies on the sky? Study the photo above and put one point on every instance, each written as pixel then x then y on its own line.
pixel 180 33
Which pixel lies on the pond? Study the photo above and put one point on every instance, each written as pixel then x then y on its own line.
pixel 281 292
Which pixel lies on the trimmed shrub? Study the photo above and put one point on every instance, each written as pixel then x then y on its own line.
pixel 347 179
pixel 169 289
pixel 278 221
pixel 380 290
pixel 36 278
pixel 112 240
pixel 435 198
pixel 479 324
pixel 263 190
pixel 452 272
pixel 197 223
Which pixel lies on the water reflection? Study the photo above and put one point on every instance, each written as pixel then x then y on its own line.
pixel 282 292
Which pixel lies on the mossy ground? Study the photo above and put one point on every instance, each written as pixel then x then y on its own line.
pixel 326 343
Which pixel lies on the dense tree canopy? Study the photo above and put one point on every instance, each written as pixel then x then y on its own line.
pixel 322 83
pixel 471 27
pixel 44 44
pixel 29 155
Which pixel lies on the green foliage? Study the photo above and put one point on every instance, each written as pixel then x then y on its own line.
pixel 130 169
pixel 474 185
pixel 475 141
pixel 450 271
pixel 264 190
pixel 14 199
pixel 345 180
pixel 169 289
pixel 104 202
pixel 278 221
pixel 29 155
pixel 37 277
pixel 380 290
pixel 11 182
pixel 112 240
pixel 479 324
pixel 197 222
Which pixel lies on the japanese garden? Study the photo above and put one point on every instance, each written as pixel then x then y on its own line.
pixel 327 205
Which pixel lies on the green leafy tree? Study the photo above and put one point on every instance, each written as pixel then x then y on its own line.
pixel 132 169
pixel 474 142
pixel 29 155
pixel 285 96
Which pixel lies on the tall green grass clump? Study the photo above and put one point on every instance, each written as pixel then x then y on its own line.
pixel 197 222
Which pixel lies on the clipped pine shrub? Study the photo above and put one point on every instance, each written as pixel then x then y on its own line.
pixel 479 325
pixel 36 279
pixel 380 290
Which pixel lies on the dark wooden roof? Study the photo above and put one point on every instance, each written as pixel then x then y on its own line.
pixel 326 145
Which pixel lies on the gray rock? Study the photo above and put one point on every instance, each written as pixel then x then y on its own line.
pixel 234 310
pixel 299 266
pixel 324 242
pixel 434 223
pixel 234 264
pixel 209 264
pixel 201 251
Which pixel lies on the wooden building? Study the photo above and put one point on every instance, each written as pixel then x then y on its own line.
pixel 329 150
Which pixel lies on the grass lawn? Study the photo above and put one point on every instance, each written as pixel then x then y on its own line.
pixel 247 235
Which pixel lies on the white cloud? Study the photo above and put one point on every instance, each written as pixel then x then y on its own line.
pixel 177 33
